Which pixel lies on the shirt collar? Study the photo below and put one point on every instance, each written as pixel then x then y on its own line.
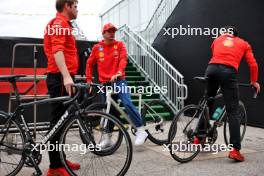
pixel 228 35
pixel 103 43
pixel 63 17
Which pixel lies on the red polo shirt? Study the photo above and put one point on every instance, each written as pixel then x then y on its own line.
pixel 229 50
pixel 110 59
pixel 58 37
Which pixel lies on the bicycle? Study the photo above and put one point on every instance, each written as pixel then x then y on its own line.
pixel 185 124
pixel 14 155
pixel 156 126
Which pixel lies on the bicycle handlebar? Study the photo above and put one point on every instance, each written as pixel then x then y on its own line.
pixel 255 95
pixel 82 87
pixel 219 95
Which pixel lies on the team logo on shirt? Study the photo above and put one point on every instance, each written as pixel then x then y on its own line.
pixel 101 48
pixel 115 46
pixel 228 43
pixel 101 54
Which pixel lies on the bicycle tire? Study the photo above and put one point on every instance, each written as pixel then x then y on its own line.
pixel 115 146
pixel 159 133
pixel 188 134
pixel 4 118
pixel 243 123
pixel 95 158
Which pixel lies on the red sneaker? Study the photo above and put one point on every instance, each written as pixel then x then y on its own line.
pixel 236 155
pixel 61 171
pixel 196 140
pixel 73 166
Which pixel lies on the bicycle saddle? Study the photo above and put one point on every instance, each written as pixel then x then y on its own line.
pixel 202 79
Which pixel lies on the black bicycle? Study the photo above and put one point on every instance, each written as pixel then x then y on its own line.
pixel 77 141
pixel 184 127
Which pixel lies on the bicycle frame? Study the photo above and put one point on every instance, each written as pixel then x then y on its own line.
pixel 110 101
pixel 203 103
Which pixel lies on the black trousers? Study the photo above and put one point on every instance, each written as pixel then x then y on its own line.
pixel 226 78
pixel 56 89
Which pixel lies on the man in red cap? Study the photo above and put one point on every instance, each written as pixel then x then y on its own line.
pixel 60 49
pixel 111 59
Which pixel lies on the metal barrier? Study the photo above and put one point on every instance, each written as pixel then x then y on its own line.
pixel 155 67
pixel 35 126
pixel 33 78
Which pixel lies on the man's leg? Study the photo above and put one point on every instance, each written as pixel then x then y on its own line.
pixel 105 140
pixel 231 98
pixel 129 106
pixel 133 113
pixel 211 88
pixel 56 89
pixel 113 111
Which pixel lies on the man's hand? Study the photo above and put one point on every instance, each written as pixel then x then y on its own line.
pixel 256 85
pixel 114 77
pixel 68 82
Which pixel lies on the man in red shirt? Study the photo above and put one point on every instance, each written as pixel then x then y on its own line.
pixel 227 52
pixel 111 59
pixel 60 49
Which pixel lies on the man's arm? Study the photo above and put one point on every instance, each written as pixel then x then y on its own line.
pixel 253 67
pixel 122 62
pixel 89 65
pixel 123 59
pixel 67 79
pixel 58 46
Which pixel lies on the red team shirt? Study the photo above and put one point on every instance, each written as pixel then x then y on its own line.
pixel 60 38
pixel 229 50
pixel 110 59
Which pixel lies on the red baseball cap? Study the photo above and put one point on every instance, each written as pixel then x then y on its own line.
pixel 108 26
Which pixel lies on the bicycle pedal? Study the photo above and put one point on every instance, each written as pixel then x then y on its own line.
pixel 126 126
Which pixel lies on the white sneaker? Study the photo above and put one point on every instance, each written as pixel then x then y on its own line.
pixel 105 141
pixel 141 136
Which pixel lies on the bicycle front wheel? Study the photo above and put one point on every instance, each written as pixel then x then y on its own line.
pixel 12 141
pixel 183 131
pixel 157 117
pixel 116 163
pixel 94 124
pixel 243 123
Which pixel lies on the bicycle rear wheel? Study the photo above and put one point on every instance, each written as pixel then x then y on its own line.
pixel 12 142
pixel 156 116
pixel 182 132
pixel 116 163
pixel 243 124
